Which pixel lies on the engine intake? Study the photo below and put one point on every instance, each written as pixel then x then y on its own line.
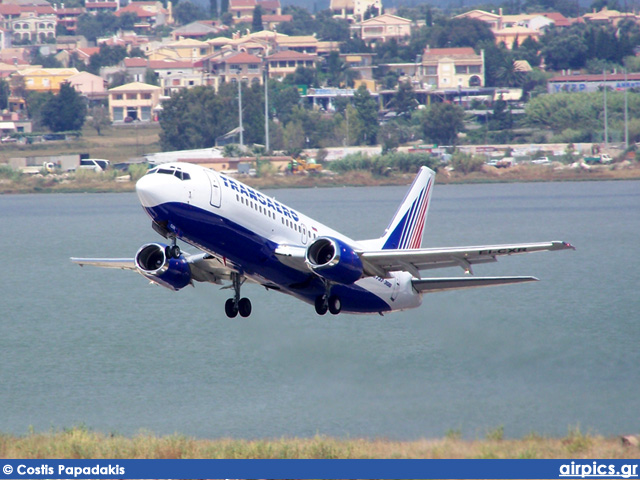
pixel 334 260
pixel 152 262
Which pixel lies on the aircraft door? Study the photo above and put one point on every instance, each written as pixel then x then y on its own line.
pixel 304 233
pixel 216 191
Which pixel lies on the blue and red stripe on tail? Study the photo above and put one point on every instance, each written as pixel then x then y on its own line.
pixel 407 226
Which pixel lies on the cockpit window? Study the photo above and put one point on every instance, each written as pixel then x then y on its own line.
pixel 171 171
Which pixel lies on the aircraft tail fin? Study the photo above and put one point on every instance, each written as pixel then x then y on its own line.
pixel 407 226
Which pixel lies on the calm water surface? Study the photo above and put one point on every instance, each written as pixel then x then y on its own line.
pixel 106 349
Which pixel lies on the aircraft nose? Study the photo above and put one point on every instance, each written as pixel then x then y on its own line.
pixel 149 190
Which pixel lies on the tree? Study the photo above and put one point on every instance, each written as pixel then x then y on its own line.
pixel 35 103
pixel 106 57
pixel 47 61
pixel 193 118
pixel 283 99
pixel 460 32
pixel 64 111
pixel 256 23
pixel 224 6
pixel 120 78
pixel 367 108
pixel 5 91
pixel 302 76
pixel 187 12
pixel 151 77
pixel 293 137
pixel 94 26
pixel 99 118
pixel 501 118
pixel 404 101
pixel 441 123
pixel 127 21
pixel 213 8
pixel 331 29
pixel 508 74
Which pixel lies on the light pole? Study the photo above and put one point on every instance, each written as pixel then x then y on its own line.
pixel 626 112
pixel 240 112
pixel 606 127
pixel 266 106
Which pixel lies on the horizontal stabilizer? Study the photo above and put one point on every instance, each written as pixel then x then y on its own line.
pixel 457 283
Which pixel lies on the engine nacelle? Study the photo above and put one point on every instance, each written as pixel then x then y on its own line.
pixel 334 260
pixel 172 273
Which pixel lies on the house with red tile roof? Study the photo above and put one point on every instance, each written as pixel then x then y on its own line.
pixel 285 62
pixel 68 17
pixel 150 14
pixel 383 28
pixel 95 6
pixel 242 10
pixel 33 24
pixel 85 54
pixel 240 66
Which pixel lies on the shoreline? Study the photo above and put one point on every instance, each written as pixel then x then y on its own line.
pixel 83 443
pixel 101 183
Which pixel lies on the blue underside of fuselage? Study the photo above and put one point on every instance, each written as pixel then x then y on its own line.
pixel 254 254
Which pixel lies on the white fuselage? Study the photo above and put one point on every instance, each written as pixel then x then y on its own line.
pixel 223 217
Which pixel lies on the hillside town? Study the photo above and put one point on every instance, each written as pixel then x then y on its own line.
pixel 359 73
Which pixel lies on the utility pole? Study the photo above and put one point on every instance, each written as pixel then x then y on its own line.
pixel 606 126
pixel 626 112
pixel 240 113
pixel 266 106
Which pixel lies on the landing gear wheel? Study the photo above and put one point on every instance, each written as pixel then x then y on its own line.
pixel 335 305
pixel 244 307
pixel 172 251
pixel 230 308
pixel 321 305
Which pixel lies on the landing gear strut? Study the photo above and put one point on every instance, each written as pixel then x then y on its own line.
pixel 173 250
pixel 328 302
pixel 236 305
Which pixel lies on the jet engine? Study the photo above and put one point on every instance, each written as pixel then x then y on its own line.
pixel 334 260
pixel 152 262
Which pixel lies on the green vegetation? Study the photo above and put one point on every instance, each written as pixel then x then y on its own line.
pixel 384 164
pixel 82 443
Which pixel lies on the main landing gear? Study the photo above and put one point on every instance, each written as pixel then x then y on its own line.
pixel 173 250
pixel 328 302
pixel 236 305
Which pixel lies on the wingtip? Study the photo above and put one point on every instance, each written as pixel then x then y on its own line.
pixel 562 246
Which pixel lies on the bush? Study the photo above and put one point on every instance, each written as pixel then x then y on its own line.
pixel 465 163
pixel 382 164
pixel 137 171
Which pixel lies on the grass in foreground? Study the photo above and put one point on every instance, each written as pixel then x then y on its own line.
pixel 81 443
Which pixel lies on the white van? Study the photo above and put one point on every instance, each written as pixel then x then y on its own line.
pixel 95 164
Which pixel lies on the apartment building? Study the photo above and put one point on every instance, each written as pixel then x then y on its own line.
pixel 445 68
pixel 136 101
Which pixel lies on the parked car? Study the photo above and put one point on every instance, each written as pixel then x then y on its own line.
pixel 96 164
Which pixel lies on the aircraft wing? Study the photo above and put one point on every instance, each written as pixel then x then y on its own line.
pixel 423 285
pixel 204 267
pixel 380 263
pixel 121 263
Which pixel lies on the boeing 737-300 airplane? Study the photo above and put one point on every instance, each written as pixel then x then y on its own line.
pixel 244 235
